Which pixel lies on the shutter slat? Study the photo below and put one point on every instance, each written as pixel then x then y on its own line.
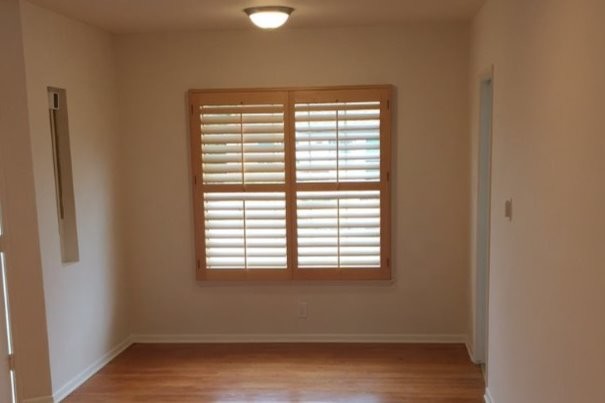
pixel 231 178
pixel 333 241
pixel 317 251
pixel 250 167
pixel 236 137
pixel 251 177
pixel 252 252
pixel 360 261
pixel 263 148
pixel 311 232
pixel 305 136
pixel 312 147
pixel 237 129
pixel 326 176
pixel 244 110
pixel 342 165
pixel 229 233
pixel 265 177
pixel 232 261
pixel 342 129
pixel 234 198
pixel 358 213
pixel 250 157
pixel 226 206
pixel 331 106
pixel 330 116
pixel 230 242
pixel 332 204
pixel 319 223
pixel 236 118
pixel 263 167
pixel 317 261
pixel 225 224
pixel 210 168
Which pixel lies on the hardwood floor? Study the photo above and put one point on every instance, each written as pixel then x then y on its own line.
pixel 356 373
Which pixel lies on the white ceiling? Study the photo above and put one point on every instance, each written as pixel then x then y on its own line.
pixel 126 16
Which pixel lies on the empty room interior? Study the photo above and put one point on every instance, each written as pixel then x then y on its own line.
pixel 302 201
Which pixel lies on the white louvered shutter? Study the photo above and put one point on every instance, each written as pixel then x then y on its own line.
pixel 245 230
pixel 242 144
pixel 338 143
pixel 292 184
pixel 338 229
pixel 242 148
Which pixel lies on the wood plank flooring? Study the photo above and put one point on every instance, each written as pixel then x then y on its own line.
pixel 355 373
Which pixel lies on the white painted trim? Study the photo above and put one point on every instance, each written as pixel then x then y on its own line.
pixel 83 376
pixel 43 399
pixel 481 274
pixel 488 397
pixel 471 354
pixel 300 338
pixel 469 351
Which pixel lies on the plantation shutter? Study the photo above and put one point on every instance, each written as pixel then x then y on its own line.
pixel 338 142
pixel 338 150
pixel 242 144
pixel 291 184
pixel 338 229
pixel 245 230
pixel 243 175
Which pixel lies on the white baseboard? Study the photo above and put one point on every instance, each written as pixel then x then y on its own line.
pixel 488 397
pixel 44 399
pixel 469 351
pixel 300 338
pixel 83 376
pixel 473 356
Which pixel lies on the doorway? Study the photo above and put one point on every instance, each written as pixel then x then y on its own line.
pixel 7 373
pixel 484 182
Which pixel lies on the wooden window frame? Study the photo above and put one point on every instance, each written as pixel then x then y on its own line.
pixel 382 93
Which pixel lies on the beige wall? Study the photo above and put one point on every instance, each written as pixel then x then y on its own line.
pixel 547 294
pixel 86 301
pixel 17 196
pixel 429 66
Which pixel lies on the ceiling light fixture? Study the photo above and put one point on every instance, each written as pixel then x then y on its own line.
pixel 269 17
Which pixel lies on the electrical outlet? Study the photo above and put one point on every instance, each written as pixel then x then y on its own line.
pixel 303 310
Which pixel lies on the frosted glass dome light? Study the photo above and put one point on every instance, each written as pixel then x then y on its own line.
pixel 269 17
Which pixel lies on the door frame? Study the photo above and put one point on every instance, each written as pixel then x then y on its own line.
pixel 482 266
pixel 8 389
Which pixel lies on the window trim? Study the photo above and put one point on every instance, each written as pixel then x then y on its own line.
pixel 382 93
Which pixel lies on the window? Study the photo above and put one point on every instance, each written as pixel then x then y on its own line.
pixel 292 184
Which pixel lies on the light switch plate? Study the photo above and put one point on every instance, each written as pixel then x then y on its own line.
pixel 303 310
pixel 508 209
